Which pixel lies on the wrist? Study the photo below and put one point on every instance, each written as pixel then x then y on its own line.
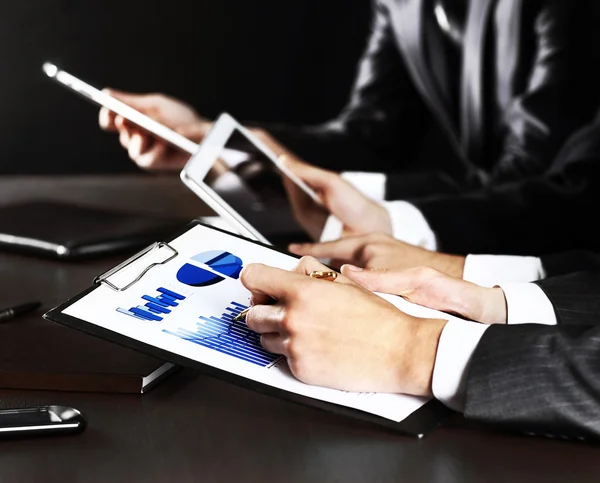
pixel 453 265
pixel 419 354
pixel 382 221
pixel 492 306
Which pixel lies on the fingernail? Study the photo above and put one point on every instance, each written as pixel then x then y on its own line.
pixel 354 268
pixel 294 247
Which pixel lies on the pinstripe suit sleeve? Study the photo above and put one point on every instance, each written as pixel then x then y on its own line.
pixel 537 379
pixel 575 297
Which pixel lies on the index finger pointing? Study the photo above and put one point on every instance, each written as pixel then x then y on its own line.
pixel 345 248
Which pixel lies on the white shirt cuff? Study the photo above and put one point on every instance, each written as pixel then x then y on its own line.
pixel 332 230
pixel 491 270
pixel 456 347
pixel 526 303
pixel 371 185
pixel 409 225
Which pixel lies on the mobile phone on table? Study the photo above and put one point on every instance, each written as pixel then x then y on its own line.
pixel 40 421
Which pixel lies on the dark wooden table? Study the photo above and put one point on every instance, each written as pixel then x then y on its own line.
pixel 195 428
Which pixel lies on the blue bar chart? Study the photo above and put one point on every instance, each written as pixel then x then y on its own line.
pixel 226 336
pixel 156 307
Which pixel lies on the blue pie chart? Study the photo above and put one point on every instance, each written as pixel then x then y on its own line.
pixel 220 261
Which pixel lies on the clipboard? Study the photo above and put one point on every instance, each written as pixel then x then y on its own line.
pixel 420 422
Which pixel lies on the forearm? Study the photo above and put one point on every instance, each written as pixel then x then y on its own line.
pixel 510 303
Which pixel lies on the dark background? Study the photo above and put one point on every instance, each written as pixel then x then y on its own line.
pixel 265 60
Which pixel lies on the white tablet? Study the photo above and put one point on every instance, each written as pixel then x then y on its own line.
pixel 240 178
pixel 104 100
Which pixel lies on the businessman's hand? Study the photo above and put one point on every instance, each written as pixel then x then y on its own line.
pixel 339 335
pixel 358 213
pixel 147 151
pixel 379 250
pixel 431 288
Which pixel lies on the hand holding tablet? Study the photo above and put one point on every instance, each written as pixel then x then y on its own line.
pixel 271 195
pixel 246 182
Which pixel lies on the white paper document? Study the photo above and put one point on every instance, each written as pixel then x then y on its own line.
pixel 187 305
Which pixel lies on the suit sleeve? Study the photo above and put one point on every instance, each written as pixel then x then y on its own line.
pixel 575 297
pixel 384 116
pixel 561 92
pixel 537 379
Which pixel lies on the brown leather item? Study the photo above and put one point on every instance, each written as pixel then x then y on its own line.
pixel 37 354
pixel 66 231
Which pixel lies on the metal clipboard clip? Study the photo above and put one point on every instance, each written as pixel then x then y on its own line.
pixel 104 278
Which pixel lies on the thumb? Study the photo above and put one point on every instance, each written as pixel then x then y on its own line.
pixel 383 280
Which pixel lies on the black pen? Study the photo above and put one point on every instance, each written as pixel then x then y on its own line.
pixel 13 312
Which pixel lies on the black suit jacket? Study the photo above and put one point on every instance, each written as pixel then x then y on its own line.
pixel 525 79
pixel 543 379
pixel 540 215
pixel 569 263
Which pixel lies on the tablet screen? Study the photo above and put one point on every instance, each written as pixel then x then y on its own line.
pixel 253 186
